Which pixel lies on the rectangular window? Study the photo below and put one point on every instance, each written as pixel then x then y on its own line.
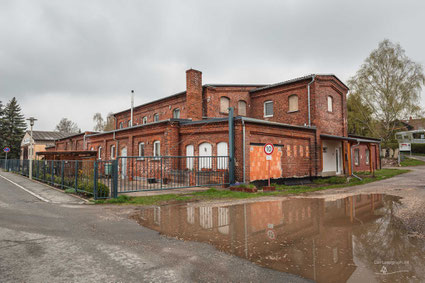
pixel 176 113
pixel 145 120
pixel 356 156
pixel 156 148
pixel 367 156
pixel 268 109
pixel 141 149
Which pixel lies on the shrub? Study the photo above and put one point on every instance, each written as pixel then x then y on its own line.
pixel 88 187
pixel 418 148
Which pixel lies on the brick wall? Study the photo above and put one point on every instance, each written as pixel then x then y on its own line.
pixel 363 166
pixel 234 93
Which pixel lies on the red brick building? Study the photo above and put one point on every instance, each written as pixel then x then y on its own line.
pixel 305 118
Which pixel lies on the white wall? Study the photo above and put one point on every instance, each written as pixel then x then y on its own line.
pixel 329 157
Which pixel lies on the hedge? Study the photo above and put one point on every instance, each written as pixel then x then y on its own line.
pixel 418 148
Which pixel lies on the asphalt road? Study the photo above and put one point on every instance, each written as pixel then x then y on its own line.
pixel 62 240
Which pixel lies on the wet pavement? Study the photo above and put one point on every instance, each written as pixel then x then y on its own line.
pixel 359 238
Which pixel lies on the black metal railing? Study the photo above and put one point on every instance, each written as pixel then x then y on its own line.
pixel 109 178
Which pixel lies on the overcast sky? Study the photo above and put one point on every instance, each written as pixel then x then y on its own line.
pixel 74 58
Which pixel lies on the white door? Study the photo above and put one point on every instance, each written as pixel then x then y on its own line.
pixel 222 150
pixel 124 163
pixel 205 149
pixel 190 152
pixel 338 160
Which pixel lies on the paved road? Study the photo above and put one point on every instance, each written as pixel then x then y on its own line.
pixel 64 241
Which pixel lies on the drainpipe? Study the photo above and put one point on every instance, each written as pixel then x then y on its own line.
pixel 243 148
pixel 308 99
pixel 352 167
pixel 231 147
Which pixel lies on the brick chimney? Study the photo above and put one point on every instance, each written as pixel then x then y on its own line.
pixel 194 94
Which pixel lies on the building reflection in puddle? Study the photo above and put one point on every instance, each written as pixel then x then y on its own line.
pixel 327 241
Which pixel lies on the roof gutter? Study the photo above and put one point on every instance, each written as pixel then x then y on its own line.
pixel 308 97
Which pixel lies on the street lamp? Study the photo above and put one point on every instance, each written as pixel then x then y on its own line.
pixel 32 120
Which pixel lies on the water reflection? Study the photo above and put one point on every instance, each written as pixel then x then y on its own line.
pixel 353 239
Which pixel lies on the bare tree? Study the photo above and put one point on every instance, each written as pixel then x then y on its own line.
pixel 389 85
pixel 99 125
pixel 67 126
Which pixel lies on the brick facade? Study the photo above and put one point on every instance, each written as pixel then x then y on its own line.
pixel 299 145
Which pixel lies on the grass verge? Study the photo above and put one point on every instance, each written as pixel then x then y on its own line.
pixel 317 185
pixel 411 162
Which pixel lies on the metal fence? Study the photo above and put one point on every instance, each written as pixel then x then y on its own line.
pixel 104 179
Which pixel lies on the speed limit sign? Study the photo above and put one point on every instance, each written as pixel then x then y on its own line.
pixel 268 148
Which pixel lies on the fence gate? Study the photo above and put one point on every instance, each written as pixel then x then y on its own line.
pixel 135 174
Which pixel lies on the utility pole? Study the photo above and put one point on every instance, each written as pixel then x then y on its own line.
pixel 32 120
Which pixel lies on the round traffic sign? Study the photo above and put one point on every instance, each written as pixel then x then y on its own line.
pixel 6 149
pixel 268 148
pixel 271 234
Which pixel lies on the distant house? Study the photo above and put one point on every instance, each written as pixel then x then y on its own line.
pixel 41 140
pixel 414 124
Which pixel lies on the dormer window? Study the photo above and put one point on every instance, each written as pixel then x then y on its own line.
pixel 268 109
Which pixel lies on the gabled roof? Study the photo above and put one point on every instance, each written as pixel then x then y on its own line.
pixel 47 135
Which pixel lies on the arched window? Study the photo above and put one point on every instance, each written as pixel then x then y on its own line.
pixel 121 125
pixel 156 117
pixel 112 151
pixel 224 104
pixel 241 108
pixel 222 153
pixel 205 153
pixel 293 103
pixel 141 149
pixel 145 120
pixel 268 109
pixel 99 153
pixel 176 113
pixel 190 152
pixel 330 103
pixel 129 123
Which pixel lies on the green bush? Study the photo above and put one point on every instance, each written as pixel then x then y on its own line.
pixel 418 148
pixel 88 187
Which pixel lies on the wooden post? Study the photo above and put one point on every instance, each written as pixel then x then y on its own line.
pixel 349 158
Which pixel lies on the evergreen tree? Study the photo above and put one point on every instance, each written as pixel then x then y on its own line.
pixel 12 128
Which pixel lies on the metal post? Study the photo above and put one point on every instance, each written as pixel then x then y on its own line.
pixel 62 173
pixel 32 120
pixel 52 169
pixel 76 176
pixel 231 147
pixel 115 178
pixel 95 180
pixel 161 171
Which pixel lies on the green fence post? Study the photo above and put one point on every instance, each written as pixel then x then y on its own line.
pixel 76 176
pixel 231 147
pixel 51 172
pixel 37 174
pixel 44 171
pixel 62 173
pixel 95 180
pixel 115 178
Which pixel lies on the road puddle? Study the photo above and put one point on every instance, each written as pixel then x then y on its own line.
pixel 353 239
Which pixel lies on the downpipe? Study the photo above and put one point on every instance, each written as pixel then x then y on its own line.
pixel 243 149
pixel 308 100
pixel 352 165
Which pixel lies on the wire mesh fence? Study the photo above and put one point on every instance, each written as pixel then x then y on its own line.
pixel 109 178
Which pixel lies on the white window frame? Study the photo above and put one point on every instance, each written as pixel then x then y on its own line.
pixel 113 151
pixel 330 103
pixel 156 145
pixel 356 157
pixel 156 117
pixel 121 125
pixel 145 120
pixel 141 156
pixel 367 152
pixel 99 153
pixel 264 106
pixel 176 110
